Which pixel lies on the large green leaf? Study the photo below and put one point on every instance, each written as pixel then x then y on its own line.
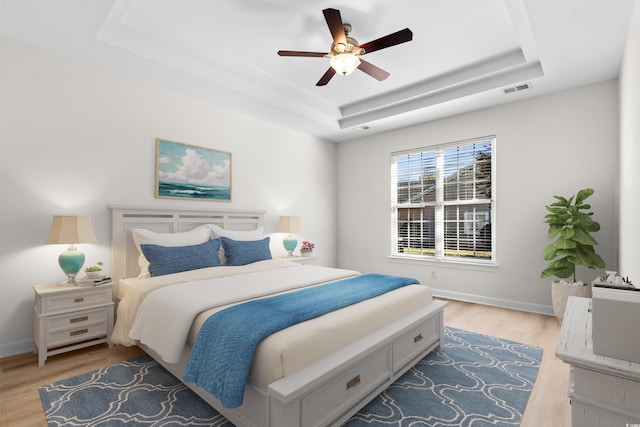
pixel 550 252
pixel 554 229
pixel 583 195
pixel 561 268
pixel 586 255
pixel 583 237
pixel 565 241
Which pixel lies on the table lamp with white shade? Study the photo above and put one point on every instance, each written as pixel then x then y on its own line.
pixel 291 225
pixel 71 230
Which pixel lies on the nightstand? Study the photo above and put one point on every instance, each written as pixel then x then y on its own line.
pixel 301 259
pixel 67 317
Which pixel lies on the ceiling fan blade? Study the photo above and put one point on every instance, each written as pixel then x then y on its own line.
pixel 372 70
pixel 334 21
pixel 326 77
pixel 398 37
pixel 299 53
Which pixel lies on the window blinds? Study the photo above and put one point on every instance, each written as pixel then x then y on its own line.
pixel 442 201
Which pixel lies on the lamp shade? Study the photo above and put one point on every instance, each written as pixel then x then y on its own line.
pixel 289 224
pixel 70 230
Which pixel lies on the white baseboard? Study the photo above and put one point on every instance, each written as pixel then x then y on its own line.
pixel 16 347
pixel 495 302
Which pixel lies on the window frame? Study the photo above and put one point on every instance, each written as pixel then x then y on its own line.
pixel 440 206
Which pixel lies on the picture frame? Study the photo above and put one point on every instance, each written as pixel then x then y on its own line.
pixel 185 171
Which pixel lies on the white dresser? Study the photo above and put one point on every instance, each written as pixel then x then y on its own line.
pixel 68 317
pixel 604 391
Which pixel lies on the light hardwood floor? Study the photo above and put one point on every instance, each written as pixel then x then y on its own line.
pixel 548 405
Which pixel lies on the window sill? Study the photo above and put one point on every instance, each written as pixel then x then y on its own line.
pixel 478 266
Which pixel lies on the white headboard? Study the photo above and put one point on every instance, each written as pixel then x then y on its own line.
pixel 124 255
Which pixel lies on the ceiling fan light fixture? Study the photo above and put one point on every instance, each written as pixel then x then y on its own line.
pixel 345 63
pixel 345 51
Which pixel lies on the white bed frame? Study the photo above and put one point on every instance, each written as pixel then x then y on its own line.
pixel 327 392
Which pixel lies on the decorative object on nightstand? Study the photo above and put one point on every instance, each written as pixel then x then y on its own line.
pixel 94 271
pixel 71 230
pixel 306 249
pixel 68 317
pixel 291 225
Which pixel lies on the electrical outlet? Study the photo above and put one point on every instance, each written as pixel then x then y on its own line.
pixel 434 274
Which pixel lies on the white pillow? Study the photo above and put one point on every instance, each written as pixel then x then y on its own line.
pixel 146 237
pixel 245 235
pixel 256 234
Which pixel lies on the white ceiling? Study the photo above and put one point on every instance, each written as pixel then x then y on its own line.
pixel 464 53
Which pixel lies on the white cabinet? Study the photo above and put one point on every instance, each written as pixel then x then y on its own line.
pixel 67 317
pixel 604 391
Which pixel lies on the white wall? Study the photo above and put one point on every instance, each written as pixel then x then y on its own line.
pixel 629 201
pixel 555 144
pixel 76 138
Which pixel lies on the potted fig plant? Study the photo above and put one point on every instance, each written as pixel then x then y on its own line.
pixel 570 227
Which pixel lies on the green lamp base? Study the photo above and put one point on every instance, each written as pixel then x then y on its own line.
pixel 71 262
pixel 290 242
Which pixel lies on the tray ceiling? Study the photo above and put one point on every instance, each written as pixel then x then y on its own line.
pixel 465 54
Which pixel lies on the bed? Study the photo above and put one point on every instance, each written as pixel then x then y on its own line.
pixel 318 372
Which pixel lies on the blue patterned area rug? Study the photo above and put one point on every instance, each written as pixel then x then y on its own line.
pixel 477 380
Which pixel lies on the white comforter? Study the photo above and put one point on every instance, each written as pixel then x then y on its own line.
pixel 159 314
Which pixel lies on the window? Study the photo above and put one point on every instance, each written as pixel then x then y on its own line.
pixel 442 204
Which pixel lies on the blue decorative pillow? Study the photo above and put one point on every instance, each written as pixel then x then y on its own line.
pixel 174 259
pixel 242 252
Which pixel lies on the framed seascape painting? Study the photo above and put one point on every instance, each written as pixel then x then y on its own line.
pixel 185 171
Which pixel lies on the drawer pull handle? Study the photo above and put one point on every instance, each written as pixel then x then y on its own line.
pixel 79 319
pixel 78 332
pixel 417 338
pixel 353 382
pixel 78 299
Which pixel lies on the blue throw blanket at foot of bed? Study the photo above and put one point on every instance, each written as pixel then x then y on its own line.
pixel 223 352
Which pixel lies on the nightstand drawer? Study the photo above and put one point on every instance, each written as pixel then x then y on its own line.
pixel 76 319
pixel 78 331
pixel 75 301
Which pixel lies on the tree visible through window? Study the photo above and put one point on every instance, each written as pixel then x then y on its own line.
pixel 442 201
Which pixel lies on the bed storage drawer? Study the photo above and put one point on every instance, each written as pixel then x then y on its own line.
pixel 411 344
pixel 347 389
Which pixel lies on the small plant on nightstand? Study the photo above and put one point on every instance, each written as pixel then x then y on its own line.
pixel 94 271
pixel 306 249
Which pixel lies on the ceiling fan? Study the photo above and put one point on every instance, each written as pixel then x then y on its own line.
pixel 345 51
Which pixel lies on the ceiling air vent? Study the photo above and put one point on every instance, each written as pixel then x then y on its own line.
pixel 517 88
